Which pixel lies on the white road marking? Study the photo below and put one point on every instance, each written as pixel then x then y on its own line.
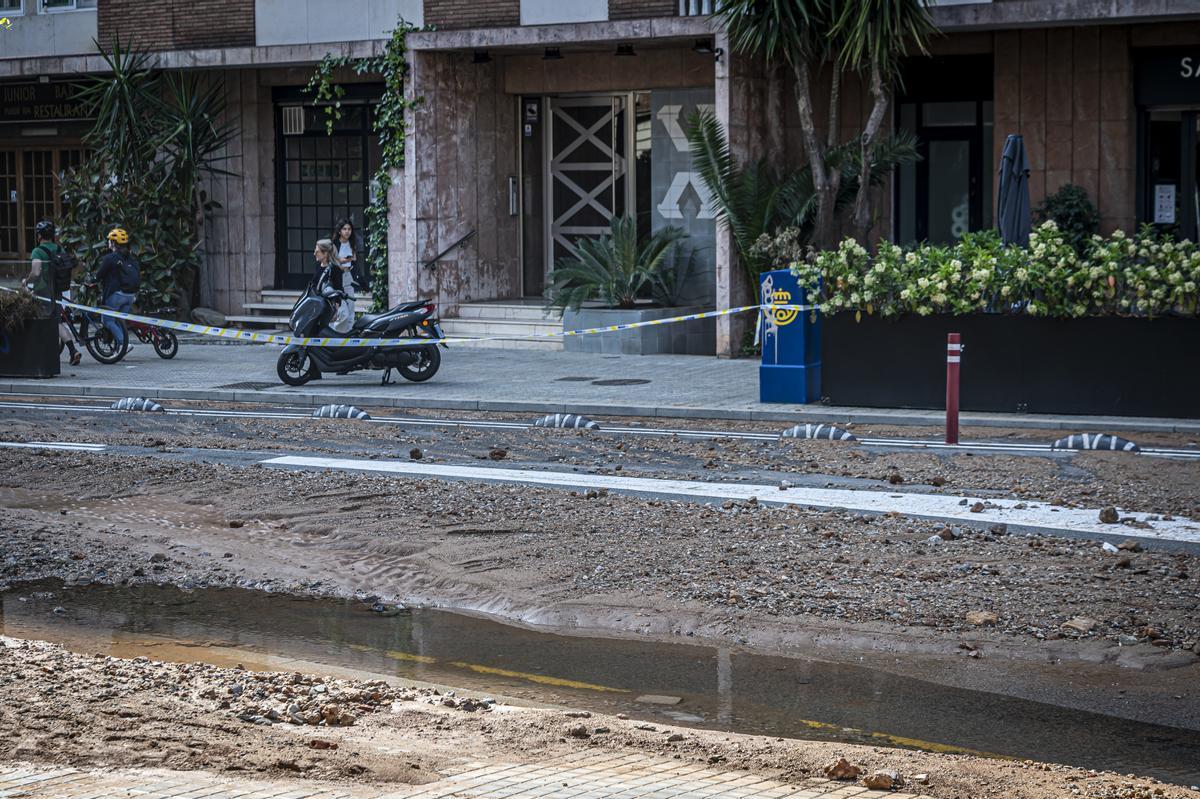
pixel 62 445
pixel 1039 515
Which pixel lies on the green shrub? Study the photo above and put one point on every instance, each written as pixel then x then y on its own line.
pixel 1149 274
pixel 614 268
pixel 1074 213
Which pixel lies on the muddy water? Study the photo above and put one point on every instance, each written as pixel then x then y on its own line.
pixel 678 684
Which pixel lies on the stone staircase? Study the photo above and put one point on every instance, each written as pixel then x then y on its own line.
pixel 275 305
pixel 520 317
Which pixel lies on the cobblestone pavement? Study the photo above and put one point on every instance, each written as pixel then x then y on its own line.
pixel 673 386
pixel 584 775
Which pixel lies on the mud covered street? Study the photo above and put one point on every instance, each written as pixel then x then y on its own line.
pixel 1062 621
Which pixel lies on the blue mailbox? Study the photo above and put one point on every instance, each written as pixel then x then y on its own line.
pixel 791 342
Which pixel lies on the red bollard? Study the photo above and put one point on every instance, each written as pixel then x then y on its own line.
pixel 953 355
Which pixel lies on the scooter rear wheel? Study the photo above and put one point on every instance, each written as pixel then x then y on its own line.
pixel 429 359
pixel 295 368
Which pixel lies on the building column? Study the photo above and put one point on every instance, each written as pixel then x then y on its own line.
pixel 741 102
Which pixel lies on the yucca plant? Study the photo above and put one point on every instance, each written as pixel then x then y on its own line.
pixel 614 268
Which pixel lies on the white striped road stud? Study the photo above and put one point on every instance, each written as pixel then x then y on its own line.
pixel 1096 441
pixel 826 432
pixel 567 420
pixel 340 412
pixel 137 404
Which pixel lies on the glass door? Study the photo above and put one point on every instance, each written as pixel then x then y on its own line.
pixel 949 195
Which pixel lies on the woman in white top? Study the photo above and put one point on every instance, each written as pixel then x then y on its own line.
pixel 347 253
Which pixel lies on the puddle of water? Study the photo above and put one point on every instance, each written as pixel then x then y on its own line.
pixel 714 688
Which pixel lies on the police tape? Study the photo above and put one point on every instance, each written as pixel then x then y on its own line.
pixel 285 339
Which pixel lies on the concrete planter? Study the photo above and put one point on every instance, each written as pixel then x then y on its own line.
pixel 30 352
pixel 694 337
pixel 1100 366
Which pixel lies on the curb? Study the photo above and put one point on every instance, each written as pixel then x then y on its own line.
pixel 816 414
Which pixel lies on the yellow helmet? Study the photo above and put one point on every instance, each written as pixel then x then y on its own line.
pixel 118 235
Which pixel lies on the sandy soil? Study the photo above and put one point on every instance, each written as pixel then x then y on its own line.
pixel 80 710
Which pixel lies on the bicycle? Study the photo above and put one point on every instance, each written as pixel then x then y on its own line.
pixel 100 344
pixel 166 343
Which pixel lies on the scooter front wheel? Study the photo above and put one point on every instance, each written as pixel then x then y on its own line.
pixel 295 368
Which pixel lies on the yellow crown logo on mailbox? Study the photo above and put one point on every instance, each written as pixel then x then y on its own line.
pixel 782 316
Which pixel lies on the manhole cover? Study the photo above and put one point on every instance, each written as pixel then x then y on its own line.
pixel 573 379
pixel 622 381
pixel 249 386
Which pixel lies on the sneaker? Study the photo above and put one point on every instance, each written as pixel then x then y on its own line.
pixel 76 357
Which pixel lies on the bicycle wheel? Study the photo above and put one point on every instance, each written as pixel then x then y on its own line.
pixel 106 349
pixel 166 344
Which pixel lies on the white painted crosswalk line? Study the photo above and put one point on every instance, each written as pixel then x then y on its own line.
pixel 1014 513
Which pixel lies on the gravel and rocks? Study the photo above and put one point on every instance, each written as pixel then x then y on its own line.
pixel 63 708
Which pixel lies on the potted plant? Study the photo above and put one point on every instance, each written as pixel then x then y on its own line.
pixel 28 337
pixel 1111 331
pixel 615 279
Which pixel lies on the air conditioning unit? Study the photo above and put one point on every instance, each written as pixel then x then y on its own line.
pixel 293 120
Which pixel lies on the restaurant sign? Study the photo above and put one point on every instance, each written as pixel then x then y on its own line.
pixel 40 102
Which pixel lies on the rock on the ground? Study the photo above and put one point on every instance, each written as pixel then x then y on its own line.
pixel 1109 515
pixel 1080 625
pixel 842 769
pixel 882 780
pixel 982 618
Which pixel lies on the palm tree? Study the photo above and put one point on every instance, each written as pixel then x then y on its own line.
pixel 868 37
pixel 752 200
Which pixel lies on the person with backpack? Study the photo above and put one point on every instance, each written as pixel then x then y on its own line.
pixel 120 278
pixel 50 275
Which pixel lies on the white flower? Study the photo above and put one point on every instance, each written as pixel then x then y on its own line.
pixel 905 294
pixel 923 282
pixel 1005 291
pixel 910 258
pixel 880 269
pixel 1022 274
pixel 1189 286
pixel 941 286
pixel 957 264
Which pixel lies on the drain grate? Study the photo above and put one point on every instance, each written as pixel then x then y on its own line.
pixel 573 379
pixel 249 386
pixel 621 381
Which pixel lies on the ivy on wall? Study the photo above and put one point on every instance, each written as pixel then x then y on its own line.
pixel 390 124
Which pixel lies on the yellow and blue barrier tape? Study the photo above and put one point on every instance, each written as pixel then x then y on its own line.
pixel 286 339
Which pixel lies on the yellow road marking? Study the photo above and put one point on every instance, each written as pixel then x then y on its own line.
pixel 539 678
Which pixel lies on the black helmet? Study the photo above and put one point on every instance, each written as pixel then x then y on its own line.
pixel 45 229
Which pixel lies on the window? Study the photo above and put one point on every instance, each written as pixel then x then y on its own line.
pixel 695 8
pixel 51 6
pixel 13 7
pixel 947 105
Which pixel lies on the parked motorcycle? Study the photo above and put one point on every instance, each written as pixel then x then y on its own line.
pixel 311 315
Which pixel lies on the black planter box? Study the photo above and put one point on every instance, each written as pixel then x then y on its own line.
pixel 1104 366
pixel 30 352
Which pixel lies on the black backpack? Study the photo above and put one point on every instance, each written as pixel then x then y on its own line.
pixel 130 276
pixel 62 264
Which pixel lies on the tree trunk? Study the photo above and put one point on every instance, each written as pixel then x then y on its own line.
pixel 823 227
pixel 862 200
pixel 776 119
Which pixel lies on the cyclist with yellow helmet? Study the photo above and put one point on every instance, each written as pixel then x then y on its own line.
pixel 119 276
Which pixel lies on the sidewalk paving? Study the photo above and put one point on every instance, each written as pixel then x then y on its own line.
pixel 583 775
pixel 527 381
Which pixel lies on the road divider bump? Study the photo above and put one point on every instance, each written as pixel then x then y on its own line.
pixel 1096 441
pixel 568 420
pixel 341 412
pixel 137 404
pixel 822 431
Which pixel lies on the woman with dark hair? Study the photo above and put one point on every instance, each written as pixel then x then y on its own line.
pixel 347 252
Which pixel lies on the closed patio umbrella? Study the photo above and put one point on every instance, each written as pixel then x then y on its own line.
pixel 1013 200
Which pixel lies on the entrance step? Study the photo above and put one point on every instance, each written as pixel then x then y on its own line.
pixel 275 306
pixel 506 318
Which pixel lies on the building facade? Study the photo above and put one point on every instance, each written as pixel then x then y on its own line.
pixel 541 119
